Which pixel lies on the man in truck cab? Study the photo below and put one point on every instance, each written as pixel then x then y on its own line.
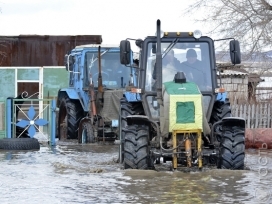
pixel 194 70
pixel 170 66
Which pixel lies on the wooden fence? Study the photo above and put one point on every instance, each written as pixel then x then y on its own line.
pixel 256 115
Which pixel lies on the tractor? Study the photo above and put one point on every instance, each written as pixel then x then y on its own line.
pixel 89 107
pixel 180 115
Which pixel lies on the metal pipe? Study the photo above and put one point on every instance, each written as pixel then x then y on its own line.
pixel 188 151
pixel 159 64
pixel 100 85
pixel 258 138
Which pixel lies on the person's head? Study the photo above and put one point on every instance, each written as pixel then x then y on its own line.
pixel 191 56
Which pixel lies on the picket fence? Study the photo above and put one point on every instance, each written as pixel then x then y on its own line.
pixel 256 115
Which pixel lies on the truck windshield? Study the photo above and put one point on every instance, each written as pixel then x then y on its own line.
pixel 192 58
pixel 114 74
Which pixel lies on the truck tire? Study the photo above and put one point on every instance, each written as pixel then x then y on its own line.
pixel 232 148
pixel 19 144
pixel 70 113
pixel 127 109
pixel 221 109
pixel 136 154
pixel 87 135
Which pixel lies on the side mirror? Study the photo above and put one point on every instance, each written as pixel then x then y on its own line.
pixel 235 54
pixel 125 52
pixel 68 62
pixel 139 43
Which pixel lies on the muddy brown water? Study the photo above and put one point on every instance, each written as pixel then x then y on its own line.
pixel 73 173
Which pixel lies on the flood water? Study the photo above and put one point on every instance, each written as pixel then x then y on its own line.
pixel 73 173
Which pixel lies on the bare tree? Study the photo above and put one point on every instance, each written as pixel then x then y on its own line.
pixel 247 20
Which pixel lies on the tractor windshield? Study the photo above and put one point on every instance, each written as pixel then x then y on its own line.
pixel 192 58
pixel 114 74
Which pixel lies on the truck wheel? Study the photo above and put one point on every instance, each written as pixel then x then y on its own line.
pixel 136 154
pixel 19 144
pixel 70 112
pixel 127 109
pixel 232 148
pixel 87 135
pixel 221 109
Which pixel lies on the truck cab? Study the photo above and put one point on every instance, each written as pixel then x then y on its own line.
pixel 97 81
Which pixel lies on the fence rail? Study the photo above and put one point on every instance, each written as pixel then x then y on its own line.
pixel 256 115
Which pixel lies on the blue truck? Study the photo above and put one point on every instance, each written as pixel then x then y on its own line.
pixel 89 107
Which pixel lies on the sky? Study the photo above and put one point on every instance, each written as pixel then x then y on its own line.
pixel 115 20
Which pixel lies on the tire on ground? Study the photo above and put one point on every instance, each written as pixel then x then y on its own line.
pixel 71 111
pixel 127 109
pixel 136 155
pixel 232 148
pixel 221 109
pixel 19 144
pixel 87 135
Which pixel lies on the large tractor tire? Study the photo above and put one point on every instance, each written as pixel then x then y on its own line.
pixel 136 154
pixel 19 144
pixel 127 109
pixel 87 133
pixel 70 114
pixel 232 148
pixel 134 108
pixel 221 109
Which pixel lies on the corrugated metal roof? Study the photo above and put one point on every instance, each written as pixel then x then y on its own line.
pixel 232 72
pixel 40 50
pixel 97 45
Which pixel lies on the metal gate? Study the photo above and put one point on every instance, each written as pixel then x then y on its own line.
pixel 34 118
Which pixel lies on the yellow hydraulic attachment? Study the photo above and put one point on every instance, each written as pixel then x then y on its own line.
pixel 187 147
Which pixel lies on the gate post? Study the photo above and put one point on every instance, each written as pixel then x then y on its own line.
pixel 53 126
pixel 8 119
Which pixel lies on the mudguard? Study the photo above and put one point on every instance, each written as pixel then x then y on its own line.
pixel 230 121
pixel 235 121
pixel 72 94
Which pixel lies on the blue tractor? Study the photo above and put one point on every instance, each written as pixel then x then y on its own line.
pixel 89 107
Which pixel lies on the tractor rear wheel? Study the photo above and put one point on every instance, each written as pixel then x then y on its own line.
pixel 136 154
pixel 129 109
pixel 221 109
pixel 70 113
pixel 232 148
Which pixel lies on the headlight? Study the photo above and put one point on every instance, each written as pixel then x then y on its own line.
pixel 197 34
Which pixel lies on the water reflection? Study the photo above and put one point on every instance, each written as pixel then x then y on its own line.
pixel 71 173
